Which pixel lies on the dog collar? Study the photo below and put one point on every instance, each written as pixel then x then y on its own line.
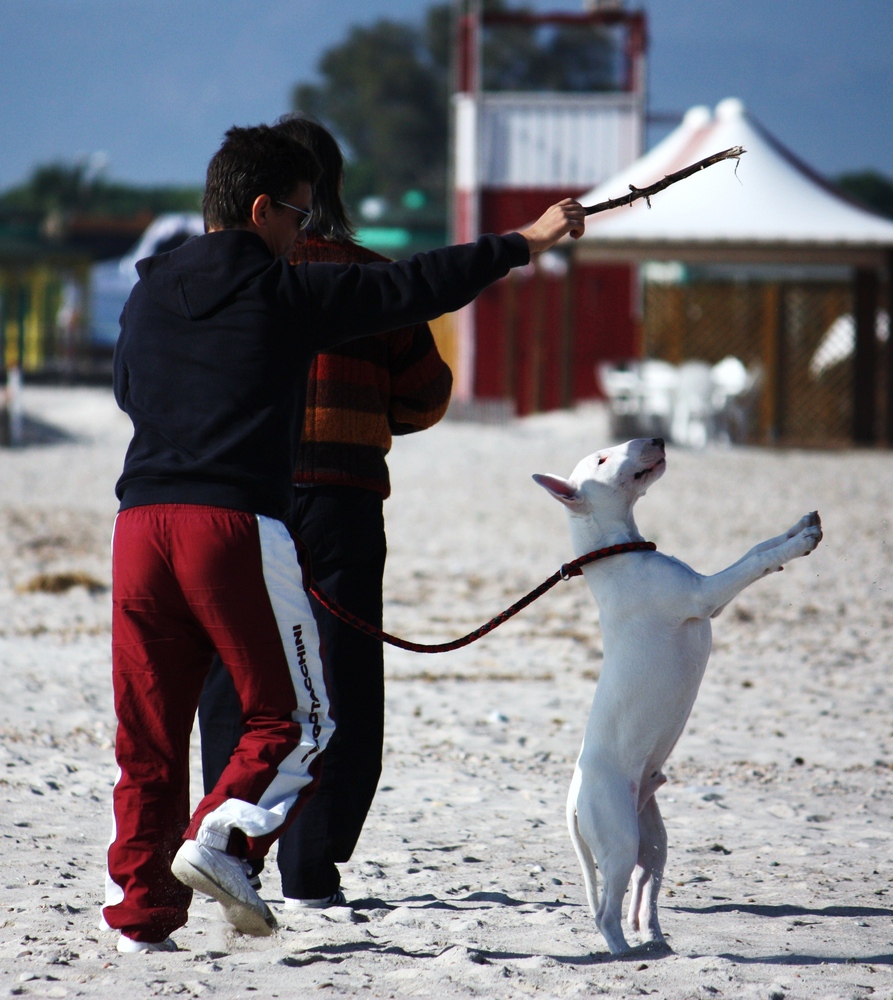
pixel 575 567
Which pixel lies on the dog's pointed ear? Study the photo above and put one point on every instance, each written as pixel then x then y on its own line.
pixel 562 489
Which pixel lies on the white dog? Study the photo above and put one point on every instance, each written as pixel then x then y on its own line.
pixel 655 616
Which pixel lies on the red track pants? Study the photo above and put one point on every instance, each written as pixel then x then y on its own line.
pixel 189 580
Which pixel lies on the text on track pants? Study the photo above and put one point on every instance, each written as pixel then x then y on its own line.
pixel 189 580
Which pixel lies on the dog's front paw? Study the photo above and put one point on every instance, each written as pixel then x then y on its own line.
pixel 810 520
pixel 805 542
pixel 812 533
pixel 813 537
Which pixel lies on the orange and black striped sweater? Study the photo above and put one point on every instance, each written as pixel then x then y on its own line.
pixel 364 391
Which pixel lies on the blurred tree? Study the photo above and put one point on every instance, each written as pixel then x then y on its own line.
pixel 385 92
pixel 549 57
pixel 873 189
pixel 80 188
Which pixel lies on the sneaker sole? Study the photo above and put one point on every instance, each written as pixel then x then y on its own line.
pixel 258 921
pixel 127 946
pixel 336 899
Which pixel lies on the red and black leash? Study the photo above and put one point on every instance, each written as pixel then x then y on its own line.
pixel 573 568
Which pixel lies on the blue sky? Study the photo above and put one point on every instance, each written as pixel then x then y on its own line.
pixel 155 83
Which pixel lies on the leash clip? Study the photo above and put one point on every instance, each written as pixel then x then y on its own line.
pixel 568 570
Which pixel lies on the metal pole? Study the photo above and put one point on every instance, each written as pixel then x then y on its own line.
pixel 888 394
pixel 865 300
pixel 4 400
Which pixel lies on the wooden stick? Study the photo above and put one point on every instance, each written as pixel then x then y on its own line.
pixel 734 153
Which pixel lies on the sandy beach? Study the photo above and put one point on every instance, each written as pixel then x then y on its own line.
pixel 778 807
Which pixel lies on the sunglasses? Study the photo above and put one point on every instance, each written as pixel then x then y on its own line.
pixel 305 222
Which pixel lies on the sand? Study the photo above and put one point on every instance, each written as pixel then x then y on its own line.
pixel 779 882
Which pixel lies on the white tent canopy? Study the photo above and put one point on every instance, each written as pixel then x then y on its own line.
pixel 770 207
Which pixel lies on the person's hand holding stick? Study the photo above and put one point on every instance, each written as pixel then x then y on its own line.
pixel 561 219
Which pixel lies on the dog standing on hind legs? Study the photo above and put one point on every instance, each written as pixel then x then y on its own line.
pixel 654 613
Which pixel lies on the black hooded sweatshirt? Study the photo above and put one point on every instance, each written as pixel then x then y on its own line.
pixel 216 343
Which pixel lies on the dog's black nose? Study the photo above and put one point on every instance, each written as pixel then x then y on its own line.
pixel 659 442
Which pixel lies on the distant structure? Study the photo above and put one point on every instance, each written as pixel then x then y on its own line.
pixel 533 341
pixel 765 261
pixel 112 280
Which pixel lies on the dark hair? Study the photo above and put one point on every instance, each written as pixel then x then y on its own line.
pixel 253 161
pixel 330 218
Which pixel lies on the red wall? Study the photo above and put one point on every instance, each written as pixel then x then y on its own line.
pixel 505 209
pixel 539 336
pixel 605 324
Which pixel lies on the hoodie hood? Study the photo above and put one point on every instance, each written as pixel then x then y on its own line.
pixel 198 277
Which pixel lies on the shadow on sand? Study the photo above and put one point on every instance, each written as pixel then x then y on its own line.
pixel 32 432
pixel 788 911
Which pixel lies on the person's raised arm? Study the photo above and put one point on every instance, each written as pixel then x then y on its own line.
pixel 341 302
pixel 565 218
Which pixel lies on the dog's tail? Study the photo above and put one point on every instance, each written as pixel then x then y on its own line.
pixel 584 854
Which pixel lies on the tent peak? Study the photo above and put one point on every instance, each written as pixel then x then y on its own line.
pixel 730 109
pixel 775 204
pixel 697 117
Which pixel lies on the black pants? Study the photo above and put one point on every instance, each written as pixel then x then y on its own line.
pixel 343 527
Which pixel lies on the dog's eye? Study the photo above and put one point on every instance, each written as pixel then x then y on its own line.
pixel 602 459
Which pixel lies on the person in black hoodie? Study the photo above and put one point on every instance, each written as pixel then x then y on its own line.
pixel 359 395
pixel 211 366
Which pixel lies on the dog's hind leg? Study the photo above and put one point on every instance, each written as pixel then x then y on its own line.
pixel 648 875
pixel 607 824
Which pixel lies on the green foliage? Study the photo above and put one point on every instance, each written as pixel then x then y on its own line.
pixel 386 95
pixel 70 188
pixel 873 189
pixel 522 57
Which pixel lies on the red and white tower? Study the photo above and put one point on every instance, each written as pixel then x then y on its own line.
pixel 514 154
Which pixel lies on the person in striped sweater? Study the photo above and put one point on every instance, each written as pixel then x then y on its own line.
pixel 359 395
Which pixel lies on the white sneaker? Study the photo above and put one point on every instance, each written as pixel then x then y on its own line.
pixel 336 899
pixel 224 878
pixel 127 946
